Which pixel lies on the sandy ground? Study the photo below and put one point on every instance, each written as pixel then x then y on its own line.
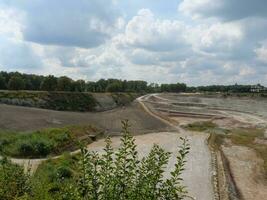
pixel 254 106
pixel 246 168
pixel 245 164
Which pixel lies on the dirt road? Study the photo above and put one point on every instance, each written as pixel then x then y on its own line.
pixel 198 173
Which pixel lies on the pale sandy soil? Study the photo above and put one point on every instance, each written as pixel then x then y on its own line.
pixel 246 168
pixel 245 165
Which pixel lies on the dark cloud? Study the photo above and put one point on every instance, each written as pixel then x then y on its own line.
pixel 67 22
pixel 225 9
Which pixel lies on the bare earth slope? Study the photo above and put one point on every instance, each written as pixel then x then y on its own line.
pixel 25 119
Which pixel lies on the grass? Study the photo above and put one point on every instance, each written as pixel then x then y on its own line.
pixel 200 126
pixel 62 101
pixel 43 143
pixel 67 101
pixel 123 99
pixel 62 167
pixel 71 101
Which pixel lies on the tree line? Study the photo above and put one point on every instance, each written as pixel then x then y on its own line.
pixel 20 81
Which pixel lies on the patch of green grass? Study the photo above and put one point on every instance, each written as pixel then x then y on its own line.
pixel 62 167
pixel 71 101
pixel 242 136
pixel 200 126
pixel 44 142
pixel 67 101
pixel 123 99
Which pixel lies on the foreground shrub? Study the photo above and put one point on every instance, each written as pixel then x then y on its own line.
pixel 34 147
pixel 112 175
pixel 121 175
pixel 13 182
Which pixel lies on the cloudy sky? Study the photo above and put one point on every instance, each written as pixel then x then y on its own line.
pixel 199 42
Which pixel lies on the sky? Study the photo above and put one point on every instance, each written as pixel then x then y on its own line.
pixel 198 42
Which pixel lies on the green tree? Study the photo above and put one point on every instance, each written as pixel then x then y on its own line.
pixel 64 83
pixel 79 86
pixel 114 87
pixel 2 82
pixel 49 83
pixel 16 83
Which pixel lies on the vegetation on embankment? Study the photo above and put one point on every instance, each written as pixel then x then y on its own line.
pixel 46 142
pixel 67 101
pixel 200 126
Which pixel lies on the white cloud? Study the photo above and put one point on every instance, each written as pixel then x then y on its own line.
pixel 261 53
pixel 246 71
pixel 215 38
pixel 146 31
pixel 10 23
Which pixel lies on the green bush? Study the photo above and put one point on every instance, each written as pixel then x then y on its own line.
pixel 25 148
pixel 14 183
pixel 44 142
pixel 121 175
pixel 34 147
pixel 63 172
pixel 111 175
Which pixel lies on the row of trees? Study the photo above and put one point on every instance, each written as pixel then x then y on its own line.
pixel 18 81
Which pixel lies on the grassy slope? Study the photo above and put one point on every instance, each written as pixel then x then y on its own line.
pixel 44 142
pixel 63 101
